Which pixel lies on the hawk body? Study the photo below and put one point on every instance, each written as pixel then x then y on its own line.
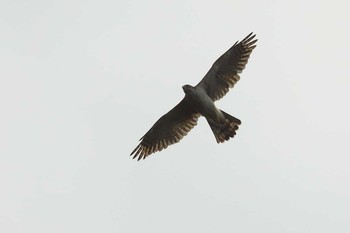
pixel 202 103
pixel 199 101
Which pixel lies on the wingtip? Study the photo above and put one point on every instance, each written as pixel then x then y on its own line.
pixel 140 152
pixel 133 151
pixel 250 36
pixel 136 151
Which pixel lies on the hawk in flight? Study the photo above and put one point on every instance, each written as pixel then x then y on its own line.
pixel 199 101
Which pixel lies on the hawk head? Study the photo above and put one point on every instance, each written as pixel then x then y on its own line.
pixel 187 88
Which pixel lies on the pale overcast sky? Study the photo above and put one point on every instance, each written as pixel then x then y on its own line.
pixel 82 81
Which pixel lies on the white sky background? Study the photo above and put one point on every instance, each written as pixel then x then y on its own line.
pixel 82 81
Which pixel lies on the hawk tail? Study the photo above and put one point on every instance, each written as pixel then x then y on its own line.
pixel 223 132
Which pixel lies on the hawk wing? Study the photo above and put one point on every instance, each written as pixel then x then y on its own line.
pixel 223 74
pixel 169 129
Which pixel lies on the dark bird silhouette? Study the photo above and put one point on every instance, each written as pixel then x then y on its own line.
pixel 199 101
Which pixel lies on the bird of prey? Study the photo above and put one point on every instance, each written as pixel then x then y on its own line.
pixel 199 101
